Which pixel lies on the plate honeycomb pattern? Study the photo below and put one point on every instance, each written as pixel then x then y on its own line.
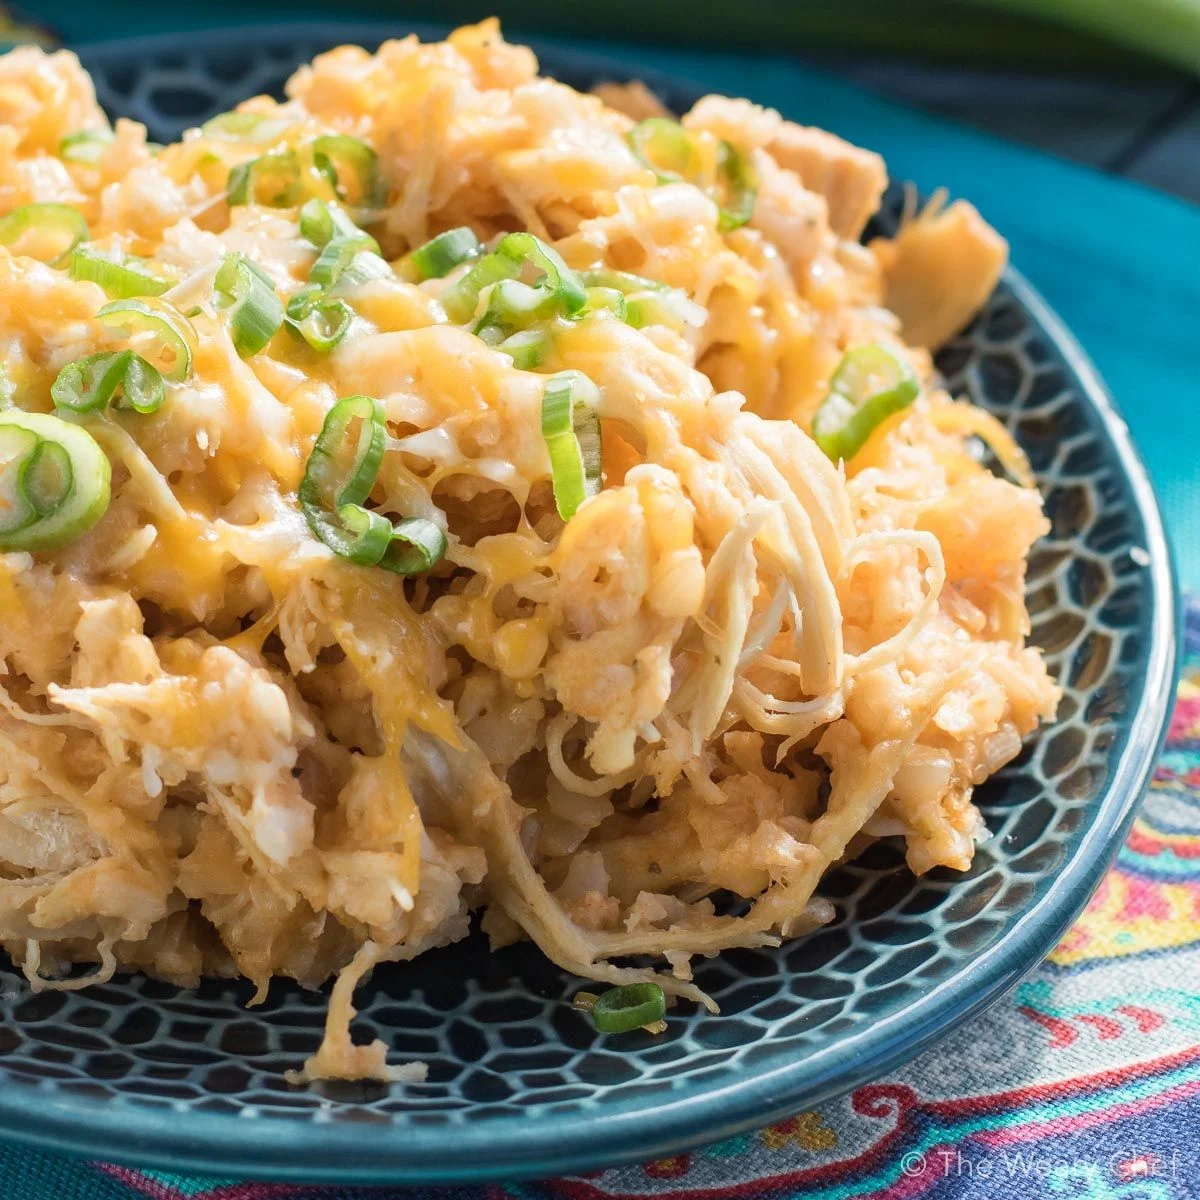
pixel 500 1038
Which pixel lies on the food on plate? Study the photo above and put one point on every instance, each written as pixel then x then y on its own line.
pixel 446 492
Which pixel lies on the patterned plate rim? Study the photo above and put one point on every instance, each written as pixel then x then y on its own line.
pixel 221 1144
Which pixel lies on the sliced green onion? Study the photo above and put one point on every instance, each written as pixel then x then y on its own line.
pixel 55 481
pixel 332 495
pixel 243 127
pixel 85 145
pixel 527 349
pixel 316 222
pixel 363 267
pixel 247 294
pixel 462 297
pixel 48 232
pixel 337 257
pixel 162 338
pixel 514 253
pixel 363 536
pixel 349 160
pixel 320 221
pixel 321 322
pixel 273 180
pixel 119 376
pixel 621 281
pixel 622 1009
pixel 331 486
pixel 610 299
pixel 869 385
pixel 740 184
pixel 647 301
pixel 117 279
pixel 513 306
pixel 666 148
pixel 438 257
pixel 417 546
pixel 572 432
pixel 670 307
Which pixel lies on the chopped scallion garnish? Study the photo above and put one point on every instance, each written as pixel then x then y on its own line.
pixel 610 299
pixel 341 253
pixel 164 338
pixel 321 322
pixel 516 253
pixel 668 149
pixel 248 296
pixel 117 377
pixel 438 257
pixel 274 179
pixel 334 491
pixel 527 348
pixel 354 166
pixel 48 232
pixel 739 185
pixel 868 386
pixel 321 221
pixel 85 145
pixel 571 429
pixel 622 281
pixel 244 127
pixel 120 280
pixel 622 1009
pixel 55 481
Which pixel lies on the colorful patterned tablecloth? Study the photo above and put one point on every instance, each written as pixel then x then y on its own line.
pixel 1083 1085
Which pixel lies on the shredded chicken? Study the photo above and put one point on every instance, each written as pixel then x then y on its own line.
pixel 225 748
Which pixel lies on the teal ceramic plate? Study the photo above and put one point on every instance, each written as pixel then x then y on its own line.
pixel 519 1083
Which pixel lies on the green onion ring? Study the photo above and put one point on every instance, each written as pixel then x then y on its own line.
pixel 571 429
pixel 870 384
pixel 118 279
pixel 272 180
pixel 248 295
pixel 321 322
pixel 527 348
pixel 332 499
pixel 439 256
pixel 417 546
pixel 741 187
pixel 350 159
pixel 512 255
pixel 92 383
pixel 666 148
pixel 327 489
pixel 610 299
pixel 322 220
pixel 85 146
pixel 63 225
pixel 243 127
pixel 163 338
pixel 55 481
pixel 621 281
pixel 337 257
pixel 622 1009
pixel 514 306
